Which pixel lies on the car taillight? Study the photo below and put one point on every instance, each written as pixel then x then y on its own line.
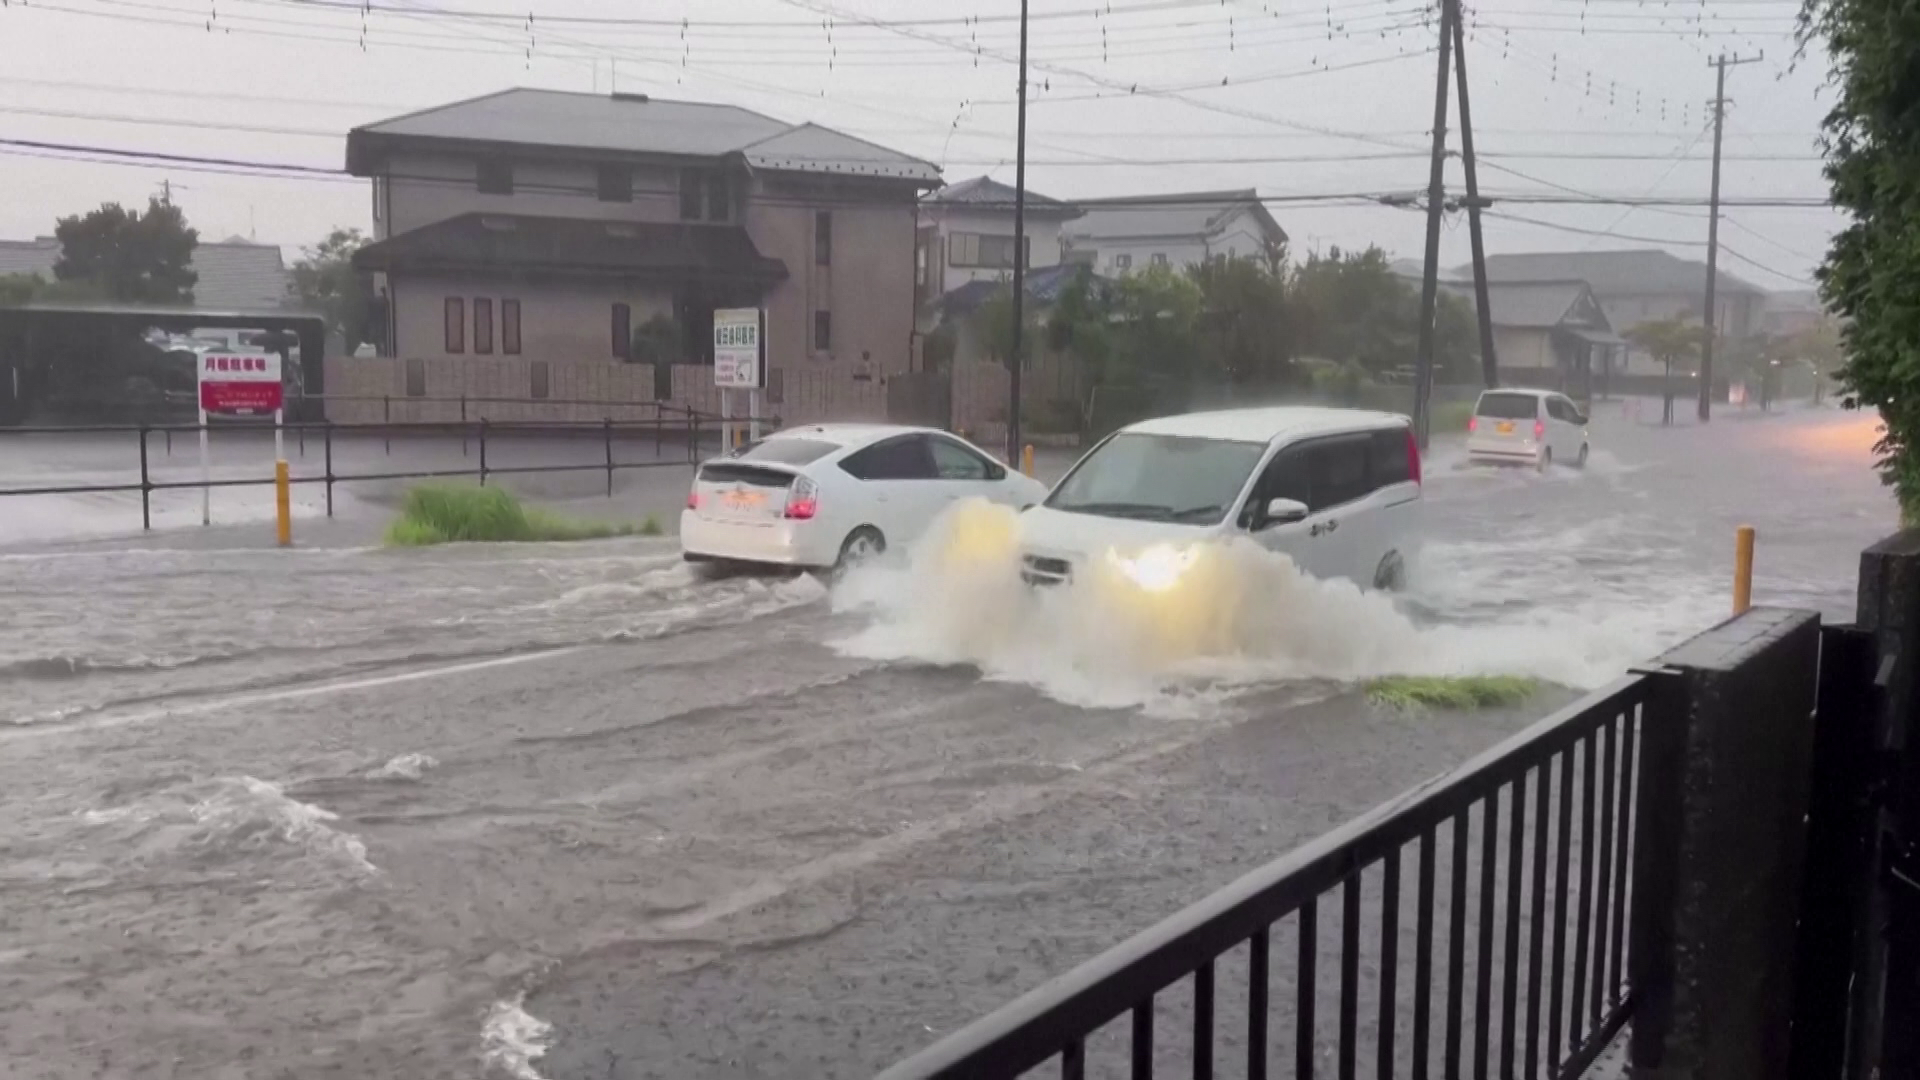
pixel 803 499
pixel 1413 456
pixel 1539 430
pixel 1473 424
pixel 693 499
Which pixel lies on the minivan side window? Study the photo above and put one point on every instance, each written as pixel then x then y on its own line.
pixel 1338 471
pixel 1285 477
pixel 1389 460
pixel 904 457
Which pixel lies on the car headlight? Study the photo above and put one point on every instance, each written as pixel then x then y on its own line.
pixel 1155 569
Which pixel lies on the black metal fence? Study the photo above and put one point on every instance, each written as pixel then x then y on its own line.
pixel 687 429
pixel 1508 958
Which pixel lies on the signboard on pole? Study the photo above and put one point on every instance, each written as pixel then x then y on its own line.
pixel 240 384
pixel 739 348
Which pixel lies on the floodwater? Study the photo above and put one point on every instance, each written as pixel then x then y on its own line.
pixel 574 811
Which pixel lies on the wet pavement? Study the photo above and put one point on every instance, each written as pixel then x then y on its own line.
pixel 573 811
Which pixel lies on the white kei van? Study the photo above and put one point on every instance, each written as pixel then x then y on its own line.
pixel 1337 490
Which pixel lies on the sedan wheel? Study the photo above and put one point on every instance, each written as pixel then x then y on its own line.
pixel 863 544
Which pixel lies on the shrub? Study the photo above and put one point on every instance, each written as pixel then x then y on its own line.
pixel 446 513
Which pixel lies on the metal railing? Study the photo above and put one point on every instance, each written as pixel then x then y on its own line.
pixel 1538 988
pixel 609 433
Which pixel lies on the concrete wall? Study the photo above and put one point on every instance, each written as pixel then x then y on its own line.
pixel 559 320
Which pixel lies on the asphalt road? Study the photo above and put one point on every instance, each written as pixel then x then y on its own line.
pixel 574 812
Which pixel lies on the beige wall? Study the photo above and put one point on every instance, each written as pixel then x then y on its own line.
pixel 559 320
pixel 1523 348
pixel 868 286
pixel 423 189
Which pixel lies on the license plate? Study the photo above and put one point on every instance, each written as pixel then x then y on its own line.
pixel 743 500
pixel 1504 427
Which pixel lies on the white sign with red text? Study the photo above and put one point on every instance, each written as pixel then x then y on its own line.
pixel 240 384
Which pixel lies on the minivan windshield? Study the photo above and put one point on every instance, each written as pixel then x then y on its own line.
pixel 1159 478
pixel 1508 406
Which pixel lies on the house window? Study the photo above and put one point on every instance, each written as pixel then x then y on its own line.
pixel 379 188
pixel 823 238
pixel 623 331
pixel 416 377
pixel 1159 258
pixel 1123 262
pixel 456 325
pixel 616 183
pixel 510 327
pixel 705 196
pixel 482 326
pixel 537 380
pixel 822 331
pixel 984 252
pixel 495 177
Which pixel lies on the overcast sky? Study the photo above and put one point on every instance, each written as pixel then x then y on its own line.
pixel 1596 97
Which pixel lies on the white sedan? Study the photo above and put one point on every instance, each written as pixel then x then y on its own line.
pixel 829 494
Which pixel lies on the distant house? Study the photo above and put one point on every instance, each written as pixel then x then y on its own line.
pixel 1116 236
pixel 1790 313
pixel 966 234
pixel 1635 287
pixel 1549 333
pixel 544 228
pixel 233 274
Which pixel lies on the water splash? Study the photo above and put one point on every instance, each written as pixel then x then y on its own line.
pixel 1240 616
pixel 512 1040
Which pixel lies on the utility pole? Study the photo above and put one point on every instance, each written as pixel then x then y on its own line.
pixel 1019 253
pixel 1436 195
pixel 1709 316
pixel 1489 364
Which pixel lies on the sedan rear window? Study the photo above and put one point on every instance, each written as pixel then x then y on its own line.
pixel 1508 406
pixel 787 451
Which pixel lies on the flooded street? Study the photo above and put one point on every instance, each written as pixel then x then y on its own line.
pixel 573 811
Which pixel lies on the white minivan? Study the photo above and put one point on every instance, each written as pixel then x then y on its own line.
pixel 1527 427
pixel 1336 490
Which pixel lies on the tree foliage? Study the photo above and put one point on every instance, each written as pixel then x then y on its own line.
pixel 1871 277
pixel 1669 341
pixel 1354 309
pixel 129 256
pixel 324 279
pixel 659 340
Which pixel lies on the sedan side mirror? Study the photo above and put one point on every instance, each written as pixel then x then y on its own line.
pixel 996 472
pixel 1284 512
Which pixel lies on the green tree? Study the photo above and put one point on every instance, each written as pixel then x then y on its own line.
pixel 1354 309
pixel 1246 320
pixel 1823 348
pixel 1871 277
pixel 659 340
pixel 1668 340
pixel 324 279
pixel 129 256
pixel 992 324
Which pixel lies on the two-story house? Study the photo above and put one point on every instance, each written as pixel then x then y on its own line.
pixel 966 234
pixel 551 226
pixel 1116 236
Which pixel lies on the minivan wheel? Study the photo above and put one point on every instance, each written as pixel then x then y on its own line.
pixel 1392 574
pixel 1582 462
pixel 1546 459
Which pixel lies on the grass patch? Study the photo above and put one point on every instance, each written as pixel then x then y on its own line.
pixel 1450 417
pixel 447 513
pixel 1413 693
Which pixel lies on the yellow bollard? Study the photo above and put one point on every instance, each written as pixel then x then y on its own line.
pixel 1742 569
pixel 282 504
pixel 1026 459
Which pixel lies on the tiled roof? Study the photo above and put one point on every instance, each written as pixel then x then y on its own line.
pixel 1611 273
pixel 637 124
pixel 987 193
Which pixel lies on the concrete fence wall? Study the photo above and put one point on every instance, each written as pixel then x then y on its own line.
pixel 371 390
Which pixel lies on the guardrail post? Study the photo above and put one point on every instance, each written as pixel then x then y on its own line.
pixel 483 451
pixel 146 485
pixel 327 431
pixel 463 423
pixel 693 437
pixel 386 421
pixel 659 431
pixel 607 428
